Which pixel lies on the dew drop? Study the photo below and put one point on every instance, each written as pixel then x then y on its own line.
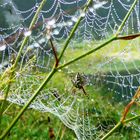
pixel 27 33
pixel 3 47
pixel 99 4
pixel 56 32
pixel 69 23
pixel 48 37
pixel 51 22
pixel 41 41
pixel 75 19
pixel 91 9
pixel 36 45
pixel 82 14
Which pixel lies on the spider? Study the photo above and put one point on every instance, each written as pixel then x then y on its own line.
pixel 79 81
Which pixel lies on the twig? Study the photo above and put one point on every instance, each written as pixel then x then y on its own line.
pixel 55 53
pixel 127 108
pixel 73 31
pixel 13 67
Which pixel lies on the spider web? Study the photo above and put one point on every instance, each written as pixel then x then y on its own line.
pixel 115 67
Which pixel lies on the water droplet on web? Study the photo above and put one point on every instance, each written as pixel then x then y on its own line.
pixel 41 41
pixel 82 14
pixel 2 47
pixel 48 37
pixel 48 27
pixel 91 9
pixel 36 45
pixel 99 4
pixel 69 23
pixel 75 19
pixel 30 47
pixel 27 33
pixel 64 24
pixel 51 22
pixel 56 32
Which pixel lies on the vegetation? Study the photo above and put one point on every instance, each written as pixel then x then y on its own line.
pixel 37 122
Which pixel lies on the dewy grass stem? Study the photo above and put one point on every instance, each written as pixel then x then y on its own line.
pixel 73 30
pixel 28 103
pixel 13 67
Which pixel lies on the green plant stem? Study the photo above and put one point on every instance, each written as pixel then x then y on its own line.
pixel 87 53
pixel 28 103
pixel 131 119
pixel 51 73
pixel 120 123
pixel 126 17
pixel 7 108
pixel 13 67
pixel 73 31
pixel 22 46
pixel 115 37
pixel 112 130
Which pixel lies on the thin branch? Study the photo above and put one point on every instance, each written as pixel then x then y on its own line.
pixel 119 124
pixel 127 108
pixel 107 42
pixel 87 53
pixel 126 17
pixel 131 119
pixel 54 52
pixel 13 67
pixel 73 30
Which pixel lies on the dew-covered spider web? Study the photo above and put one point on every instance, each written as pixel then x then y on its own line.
pixel 110 76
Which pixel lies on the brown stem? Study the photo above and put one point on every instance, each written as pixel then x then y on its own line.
pixel 83 90
pixel 55 53
pixel 127 108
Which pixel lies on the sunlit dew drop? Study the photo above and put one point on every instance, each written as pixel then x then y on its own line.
pixel 91 9
pixel 41 41
pixel 59 25
pixel 48 27
pixel 30 47
pixel 99 4
pixel 51 22
pixel 69 23
pixel 17 74
pixel 56 32
pixel 64 24
pixel 82 14
pixel 2 47
pixel 75 19
pixel 48 37
pixel 36 45
pixel 27 33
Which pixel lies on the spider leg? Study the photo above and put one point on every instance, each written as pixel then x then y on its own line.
pixel 83 90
